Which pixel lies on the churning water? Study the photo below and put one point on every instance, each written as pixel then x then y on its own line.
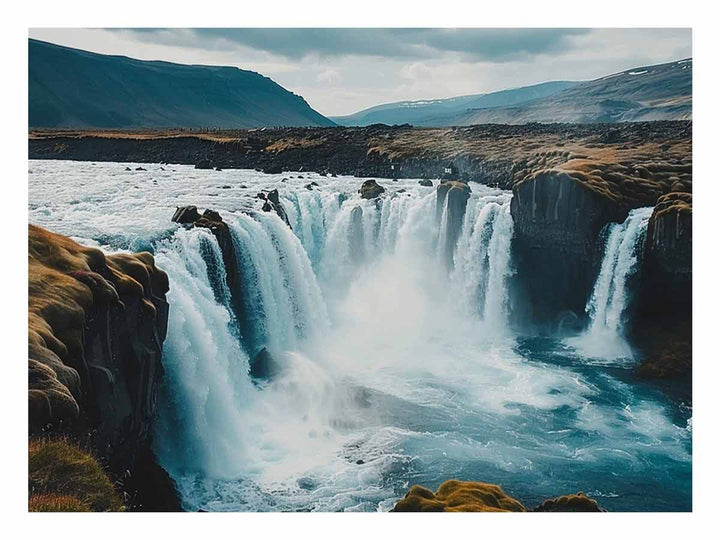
pixel 395 367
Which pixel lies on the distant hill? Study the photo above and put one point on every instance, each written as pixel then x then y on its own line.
pixel 659 92
pixel 78 89
pixel 437 112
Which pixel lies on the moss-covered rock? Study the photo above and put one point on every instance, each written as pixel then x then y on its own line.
pixel 570 503
pixel 458 496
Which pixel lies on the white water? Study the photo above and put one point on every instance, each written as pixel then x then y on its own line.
pixel 394 370
pixel 610 296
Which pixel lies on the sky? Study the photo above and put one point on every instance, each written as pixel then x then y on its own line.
pixel 341 71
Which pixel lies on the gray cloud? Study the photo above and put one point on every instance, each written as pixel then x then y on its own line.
pixel 482 44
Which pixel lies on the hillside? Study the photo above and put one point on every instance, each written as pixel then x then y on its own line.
pixel 436 112
pixel 79 89
pixel 659 92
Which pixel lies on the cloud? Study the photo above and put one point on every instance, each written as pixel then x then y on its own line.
pixel 486 44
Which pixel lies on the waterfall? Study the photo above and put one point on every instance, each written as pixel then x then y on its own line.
pixel 206 386
pixel 482 261
pixel 610 295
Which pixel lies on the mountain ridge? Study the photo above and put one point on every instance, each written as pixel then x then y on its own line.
pixel 72 88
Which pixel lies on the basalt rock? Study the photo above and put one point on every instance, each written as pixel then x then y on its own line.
pixel 96 326
pixel 457 496
pixel 425 183
pixel 185 215
pixel 273 204
pixel 370 189
pixel 451 202
pixel 662 321
pixel 557 221
pixel 264 366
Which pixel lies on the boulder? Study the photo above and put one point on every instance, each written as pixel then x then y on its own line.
pixel 264 366
pixel 457 496
pixel 185 215
pixel 370 189
pixel 570 503
pixel 204 163
pixel 273 204
pixel 425 183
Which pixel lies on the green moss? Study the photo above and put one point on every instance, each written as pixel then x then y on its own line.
pixel 63 477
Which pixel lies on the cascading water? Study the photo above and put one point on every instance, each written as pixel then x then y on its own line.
pixel 610 295
pixel 393 369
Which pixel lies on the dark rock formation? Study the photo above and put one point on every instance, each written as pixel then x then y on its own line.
pixel 457 496
pixel 273 204
pixel 263 365
pixel 452 197
pixel 425 183
pixel 557 221
pixel 662 322
pixel 96 327
pixel 570 503
pixel 370 189
pixel 185 215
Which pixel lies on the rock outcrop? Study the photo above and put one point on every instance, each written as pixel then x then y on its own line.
pixel 557 220
pixel 273 204
pixel 96 326
pixel 570 503
pixel 459 496
pixel 370 189
pixel 451 203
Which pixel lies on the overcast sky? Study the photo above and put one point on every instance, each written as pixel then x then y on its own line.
pixel 341 71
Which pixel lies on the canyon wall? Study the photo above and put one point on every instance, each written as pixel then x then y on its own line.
pixel 96 327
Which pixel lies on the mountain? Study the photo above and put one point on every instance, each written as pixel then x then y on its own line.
pixel 79 89
pixel 658 92
pixel 436 112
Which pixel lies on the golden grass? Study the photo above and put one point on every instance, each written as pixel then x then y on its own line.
pixel 64 478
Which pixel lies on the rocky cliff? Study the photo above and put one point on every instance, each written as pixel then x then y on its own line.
pixel 96 327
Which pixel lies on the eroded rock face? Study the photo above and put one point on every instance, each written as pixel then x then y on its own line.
pixel 452 197
pixel 557 220
pixel 457 496
pixel 662 323
pixel 96 328
pixel 370 189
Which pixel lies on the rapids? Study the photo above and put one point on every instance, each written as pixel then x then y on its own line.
pixel 394 369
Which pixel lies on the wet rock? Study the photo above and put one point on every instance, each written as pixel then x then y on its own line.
pixel 311 185
pixel 272 169
pixel 185 215
pixel 218 169
pixel 457 496
pixel 557 222
pixel 273 204
pixel 570 503
pixel 425 183
pixel 212 215
pixel 264 366
pixel 140 169
pixel 452 197
pixel 128 169
pixel 370 189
